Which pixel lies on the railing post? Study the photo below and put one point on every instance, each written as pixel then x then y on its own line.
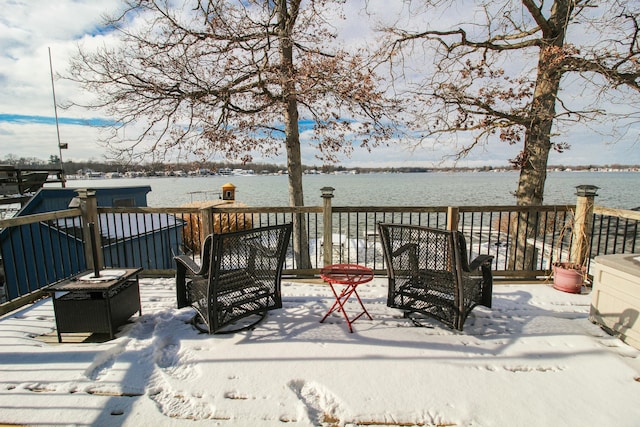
pixel 89 209
pixel 206 219
pixel 327 221
pixel 582 223
pixel 453 217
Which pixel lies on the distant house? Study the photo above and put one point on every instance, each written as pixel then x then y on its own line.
pixel 61 240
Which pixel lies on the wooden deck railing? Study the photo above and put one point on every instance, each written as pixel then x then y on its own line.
pixel 48 247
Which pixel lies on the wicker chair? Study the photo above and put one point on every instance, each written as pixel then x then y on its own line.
pixel 429 273
pixel 238 281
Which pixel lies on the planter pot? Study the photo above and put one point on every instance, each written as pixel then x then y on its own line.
pixel 568 277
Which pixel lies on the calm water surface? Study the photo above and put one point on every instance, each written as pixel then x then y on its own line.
pixel 617 189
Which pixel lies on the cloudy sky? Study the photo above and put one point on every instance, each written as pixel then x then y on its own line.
pixel 29 28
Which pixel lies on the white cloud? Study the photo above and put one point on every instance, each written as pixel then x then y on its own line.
pixel 29 28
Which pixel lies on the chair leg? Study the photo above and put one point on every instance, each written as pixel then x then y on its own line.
pixel 487 286
pixel 181 287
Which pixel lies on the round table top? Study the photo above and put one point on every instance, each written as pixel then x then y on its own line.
pixel 348 274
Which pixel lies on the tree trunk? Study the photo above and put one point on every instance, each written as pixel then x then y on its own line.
pixel 292 137
pixel 537 144
pixel 296 195
pixel 533 174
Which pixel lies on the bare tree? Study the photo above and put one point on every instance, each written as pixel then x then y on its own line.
pixel 500 75
pixel 233 77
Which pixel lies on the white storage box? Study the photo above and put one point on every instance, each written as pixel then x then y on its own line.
pixel 615 299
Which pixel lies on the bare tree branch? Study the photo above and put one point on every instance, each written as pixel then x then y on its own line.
pixel 471 87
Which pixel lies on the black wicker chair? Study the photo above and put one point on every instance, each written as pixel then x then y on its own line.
pixel 238 281
pixel 429 273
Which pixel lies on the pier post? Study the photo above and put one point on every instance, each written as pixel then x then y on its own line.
pixel 583 223
pixel 327 221
pixel 89 209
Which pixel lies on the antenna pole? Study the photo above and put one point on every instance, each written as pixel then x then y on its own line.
pixel 55 109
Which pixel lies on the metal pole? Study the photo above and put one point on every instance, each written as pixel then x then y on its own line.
pixel 55 109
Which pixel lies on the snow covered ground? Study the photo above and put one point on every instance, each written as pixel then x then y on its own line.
pixel 532 360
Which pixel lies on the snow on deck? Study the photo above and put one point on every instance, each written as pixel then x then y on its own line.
pixel 534 359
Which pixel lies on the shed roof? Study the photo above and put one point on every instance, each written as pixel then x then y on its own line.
pixel 53 199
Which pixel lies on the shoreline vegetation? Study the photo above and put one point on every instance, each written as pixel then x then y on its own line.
pixel 93 169
pixel 173 170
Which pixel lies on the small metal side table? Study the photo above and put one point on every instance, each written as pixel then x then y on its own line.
pixel 349 275
pixel 85 303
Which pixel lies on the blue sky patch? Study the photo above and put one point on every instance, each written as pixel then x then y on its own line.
pixel 46 120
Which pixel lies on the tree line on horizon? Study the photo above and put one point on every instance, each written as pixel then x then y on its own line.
pixel 72 167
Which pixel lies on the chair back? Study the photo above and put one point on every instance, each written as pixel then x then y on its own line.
pixel 410 248
pixel 260 251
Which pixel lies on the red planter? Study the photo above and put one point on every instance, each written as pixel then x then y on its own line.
pixel 568 277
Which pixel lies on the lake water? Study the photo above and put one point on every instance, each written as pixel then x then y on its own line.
pixel 617 189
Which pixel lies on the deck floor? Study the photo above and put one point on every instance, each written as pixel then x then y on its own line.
pixel 511 366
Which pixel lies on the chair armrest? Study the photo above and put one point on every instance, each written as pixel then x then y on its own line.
pixel 412 249
pixel 484 263
pixel 480 260
pixel 406 247
pixel 187 263
pixel 184 263
pixel 255 245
